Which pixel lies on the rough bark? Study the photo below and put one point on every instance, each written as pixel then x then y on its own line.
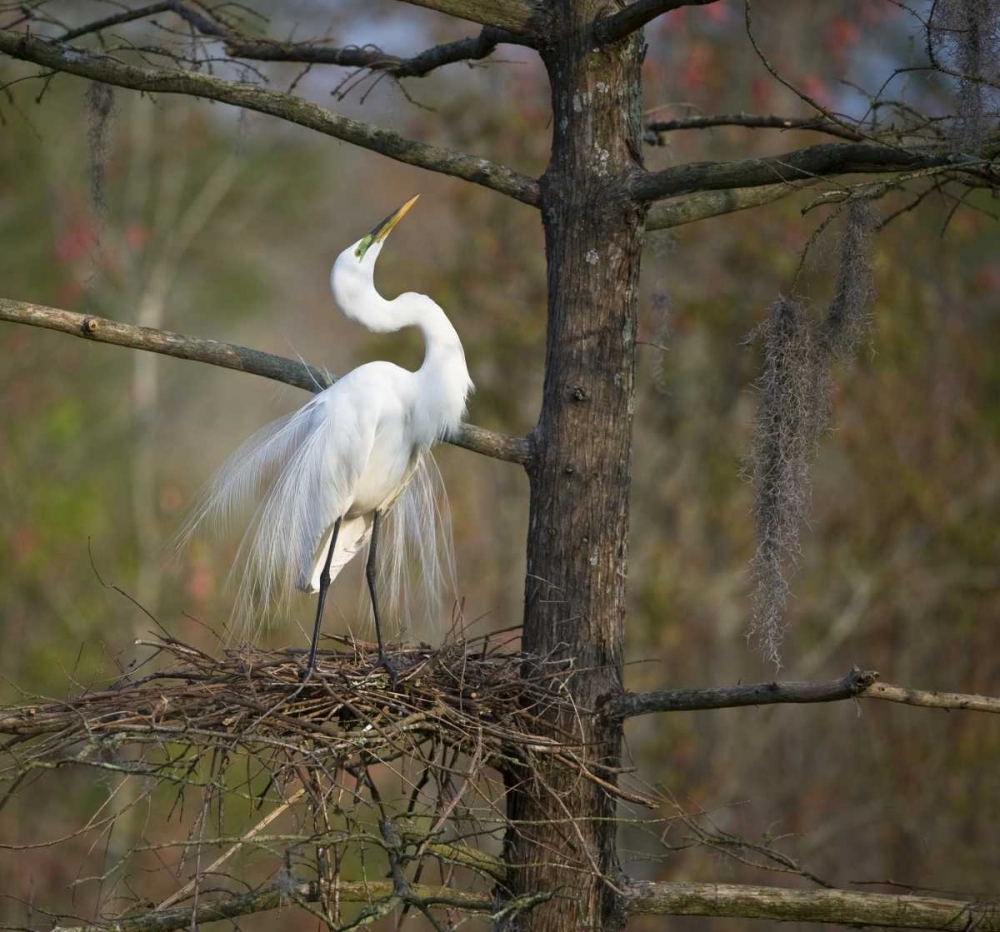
pixel 580 474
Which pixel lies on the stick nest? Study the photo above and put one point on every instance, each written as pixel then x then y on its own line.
pixel 501 707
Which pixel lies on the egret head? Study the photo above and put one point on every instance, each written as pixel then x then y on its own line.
pixel 377 236
pixel 352 278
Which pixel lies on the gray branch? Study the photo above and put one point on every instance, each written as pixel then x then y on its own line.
pixel 59 57
pixel 230 356
pixel 240 45
pixel 707 204
pixel 374 894
pixel 524 18
pixel 475 48
pixel 857 684
pixel 751 121
pixel 623 23
pixel 802 164
pixel 737 901
pixel 840 907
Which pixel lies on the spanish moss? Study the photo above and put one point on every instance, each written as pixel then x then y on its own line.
pixel 794 411
pixel 794 391
pixel 100 111
pixel 967 34
pixel 848 319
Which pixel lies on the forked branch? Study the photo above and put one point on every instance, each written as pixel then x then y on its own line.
pixel 229 356
pixel 240 45
pixel 59 57
pixel 857 684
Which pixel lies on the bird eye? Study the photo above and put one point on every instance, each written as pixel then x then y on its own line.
pixel 363 246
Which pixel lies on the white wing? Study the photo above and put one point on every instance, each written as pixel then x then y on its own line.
pixel 302 468
pixel 305 470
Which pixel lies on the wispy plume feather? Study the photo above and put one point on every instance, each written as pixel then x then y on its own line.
pixel 288 483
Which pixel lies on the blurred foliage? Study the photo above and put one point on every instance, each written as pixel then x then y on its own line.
pixel 900 566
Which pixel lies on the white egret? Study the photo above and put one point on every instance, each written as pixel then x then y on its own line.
pixel 327 475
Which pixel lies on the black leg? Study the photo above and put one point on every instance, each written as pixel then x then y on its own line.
pixel 324 584
pixel 370 576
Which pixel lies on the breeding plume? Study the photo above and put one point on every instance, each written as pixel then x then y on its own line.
pixel 324 478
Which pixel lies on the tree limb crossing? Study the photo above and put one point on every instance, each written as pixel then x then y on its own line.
pixel 231 356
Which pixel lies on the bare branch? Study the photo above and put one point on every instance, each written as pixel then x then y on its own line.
pixel 811 162
pixel 240 45
pixel 117 19
pixel 374 59
pixel 715 203
pixel 929 699
pixel 842 907
pixel 634 17
pixel 274 896
pixel 522 17
pixel 751 121
pixel 53 55
pixel 857 684
pixel 727 697
pixel 230 356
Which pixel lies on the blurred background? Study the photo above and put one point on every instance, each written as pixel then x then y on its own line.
pixel 198 218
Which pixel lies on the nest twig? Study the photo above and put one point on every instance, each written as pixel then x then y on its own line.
pixel 477 697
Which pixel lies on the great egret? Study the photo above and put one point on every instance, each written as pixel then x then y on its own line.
pixel 331 471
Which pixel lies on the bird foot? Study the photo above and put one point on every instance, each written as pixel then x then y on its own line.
pixel 386 664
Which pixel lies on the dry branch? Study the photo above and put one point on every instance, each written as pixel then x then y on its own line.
pixel 716 203
pixel 521 17
pixel 472 49
pixel 750 121
pixel 843 907
pixel 857 684
pixel 929 699
pixel 274 896
pixel 229 356
pixel 240 45
pixel 59 57
pixel 802 164
pixel 623 23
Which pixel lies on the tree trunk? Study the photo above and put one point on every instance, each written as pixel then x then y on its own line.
pixel 581 472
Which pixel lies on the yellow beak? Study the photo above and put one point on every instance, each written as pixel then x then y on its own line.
pixel 385 227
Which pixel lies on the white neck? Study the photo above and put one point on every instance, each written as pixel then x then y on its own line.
pixel 444 376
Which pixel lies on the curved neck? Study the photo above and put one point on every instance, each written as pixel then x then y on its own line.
pixel 444 373
pixel 358 299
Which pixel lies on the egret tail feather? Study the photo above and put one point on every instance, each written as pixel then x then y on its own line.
pixel 416 562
